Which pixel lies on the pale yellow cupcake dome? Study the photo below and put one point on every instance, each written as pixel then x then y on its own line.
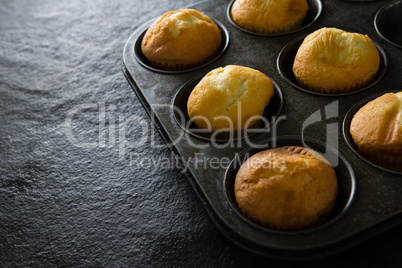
pixel 181 39
pixel 230 98
pixel 334 61
pixel 269 16
pixel 376 129
pixel 286 188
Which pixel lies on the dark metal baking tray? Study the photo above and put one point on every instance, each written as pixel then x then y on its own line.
pixel 369 204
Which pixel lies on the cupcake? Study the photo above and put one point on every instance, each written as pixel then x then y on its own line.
pixel 181 40
pixel 286 188
pixel 269 16
pixel 334 61
pixel 376 129
pixel 230 98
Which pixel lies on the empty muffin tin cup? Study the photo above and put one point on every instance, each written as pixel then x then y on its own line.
pixel 139 56
pixel 388 23
pixel 343 169
pixel 287 56
pixel 179 111
pixel 349 140
pixel 313 13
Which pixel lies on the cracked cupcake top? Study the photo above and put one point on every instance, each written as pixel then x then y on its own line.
pixel 181 39
pixel 269 16
pixel 331 60
pixel 377 126
pixel 231 97
pixel 286 188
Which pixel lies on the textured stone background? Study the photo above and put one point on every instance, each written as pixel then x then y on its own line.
pixel 63 205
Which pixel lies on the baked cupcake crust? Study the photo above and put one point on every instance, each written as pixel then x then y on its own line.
pixel 286 188
pixel 269 16
pixel 181 39
pixel 230 98
pixel 333 61
pixel 376 129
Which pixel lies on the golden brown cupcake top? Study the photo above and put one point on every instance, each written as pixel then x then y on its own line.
pixel 231 97
pixel 286 188
pixel 378 124
pixel 269 16
pixel 331 60
pixel 180 39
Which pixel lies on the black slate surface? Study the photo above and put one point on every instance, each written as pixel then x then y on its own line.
pixel 64 205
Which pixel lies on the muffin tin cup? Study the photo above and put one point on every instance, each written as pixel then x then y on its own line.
pixel 313 13
pixel 349 140
pixel 139 56
pixel 287 56
pixel 388 23
pixel 179 111
pixel 343 169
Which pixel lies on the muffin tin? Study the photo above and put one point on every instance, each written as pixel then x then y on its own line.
pixel 369 200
